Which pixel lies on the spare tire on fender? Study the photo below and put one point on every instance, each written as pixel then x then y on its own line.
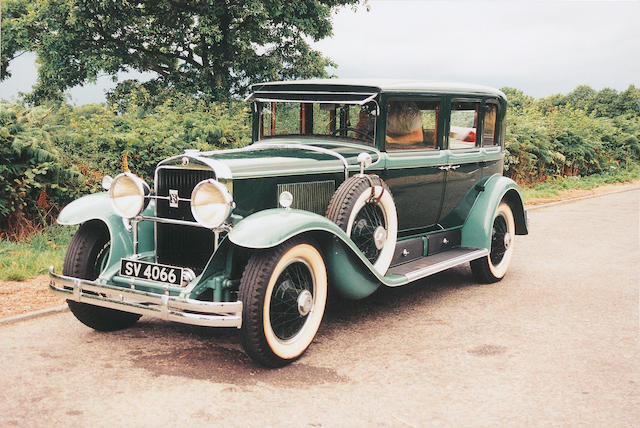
pixel 364 208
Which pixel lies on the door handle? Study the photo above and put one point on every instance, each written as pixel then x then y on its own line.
pixel 449 167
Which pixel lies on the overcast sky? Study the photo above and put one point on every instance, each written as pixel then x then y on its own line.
pixel 541 47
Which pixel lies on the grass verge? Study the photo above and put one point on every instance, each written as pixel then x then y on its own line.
pixel 555 187
pixel 33 256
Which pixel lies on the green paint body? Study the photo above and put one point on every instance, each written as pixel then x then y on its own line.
pixel 465 197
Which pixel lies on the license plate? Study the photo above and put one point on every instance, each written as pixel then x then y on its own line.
pixel 151 271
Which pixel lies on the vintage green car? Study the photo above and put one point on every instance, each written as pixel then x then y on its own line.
pixel 349 185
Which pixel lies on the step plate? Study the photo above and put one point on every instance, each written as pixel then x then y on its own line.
pixel 437 263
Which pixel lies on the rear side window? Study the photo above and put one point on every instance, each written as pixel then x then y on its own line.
pixel 489 127
pixel 464 125
pixel 412 125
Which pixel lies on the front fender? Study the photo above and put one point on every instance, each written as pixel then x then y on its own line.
pixel 269 228
pixel 347 268
pixel 97 207
pixel 476 231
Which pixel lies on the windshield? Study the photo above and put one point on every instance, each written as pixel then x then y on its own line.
pixel 344 121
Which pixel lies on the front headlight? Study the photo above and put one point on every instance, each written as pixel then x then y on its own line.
pixel 127 193
pixel 211 203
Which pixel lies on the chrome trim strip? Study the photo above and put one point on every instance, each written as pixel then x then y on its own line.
pixel 351 102
pixel 170 308
pixel 262 96
pixel 221 228
pixel 366 100
pixel 314 92
pixel 492 149
pixel 264 146
pixel 220 169
pixel 134 229
pixel 439 267
pixel 352 168
pixel 166 198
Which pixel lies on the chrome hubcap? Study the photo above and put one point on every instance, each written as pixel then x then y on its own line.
pixel 379 237
pixel 305 302
pixel 507 240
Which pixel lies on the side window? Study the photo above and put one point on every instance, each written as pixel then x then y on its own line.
pixel 464 125
pixel 489 131
pixel 280 119
pixel 412 125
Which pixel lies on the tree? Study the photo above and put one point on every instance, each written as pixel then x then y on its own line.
pixel 629 101
pixel 605 102
pixel 581 97
pixel 517 99
pixel 16 17
pixel 208 47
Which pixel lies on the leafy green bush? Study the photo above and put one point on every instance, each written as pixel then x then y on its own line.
pixel 34 174
pixel 50 155
pixel 551 137
pixel 100 140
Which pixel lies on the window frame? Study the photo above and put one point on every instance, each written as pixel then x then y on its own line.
pixel 483 102
pixel 497 142
pixel 440 104
pixel 479 118
pixel 306 110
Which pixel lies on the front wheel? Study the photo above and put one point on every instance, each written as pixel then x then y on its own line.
pixel 284 292
pixel 86 258
pixel 492 268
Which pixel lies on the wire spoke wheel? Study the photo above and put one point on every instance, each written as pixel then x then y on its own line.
pixel 363 233
pixel 498 235
pixel 493 267
pixel 287 310
pixel 283 292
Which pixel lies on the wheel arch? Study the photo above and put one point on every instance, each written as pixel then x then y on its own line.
pixel 97 208
pixel 513 198
pixel 476 231
pixel 348 270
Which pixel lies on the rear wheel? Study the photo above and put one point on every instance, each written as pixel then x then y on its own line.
pixel 86 258
pixel 284 293
pixel 492 268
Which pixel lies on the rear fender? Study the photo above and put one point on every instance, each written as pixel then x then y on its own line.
pixel 348 271
pixel 476 231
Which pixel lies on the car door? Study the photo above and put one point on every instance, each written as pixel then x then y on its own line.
pixel 414 163
pixel 464 156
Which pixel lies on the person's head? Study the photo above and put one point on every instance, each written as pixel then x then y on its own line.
pixel 403 118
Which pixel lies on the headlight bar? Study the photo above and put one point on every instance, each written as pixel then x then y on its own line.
pixel 130 195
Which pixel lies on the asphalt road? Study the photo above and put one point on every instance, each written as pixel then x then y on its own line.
pixel 555 343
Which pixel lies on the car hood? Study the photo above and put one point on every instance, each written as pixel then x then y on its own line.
pixel 289 157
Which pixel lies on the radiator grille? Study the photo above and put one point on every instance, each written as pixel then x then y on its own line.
pixel 313 196
pixel 187 246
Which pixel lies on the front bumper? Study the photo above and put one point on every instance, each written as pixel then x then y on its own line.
pixel 170 308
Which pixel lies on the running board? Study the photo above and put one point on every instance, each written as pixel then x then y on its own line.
pixel 437 263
